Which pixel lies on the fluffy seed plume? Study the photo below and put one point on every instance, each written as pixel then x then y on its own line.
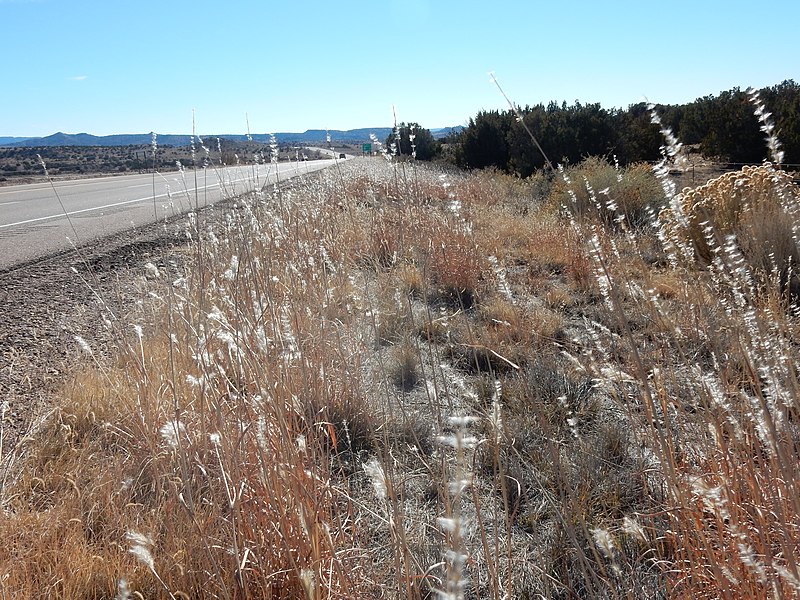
pixel 140 548
pixel 377 476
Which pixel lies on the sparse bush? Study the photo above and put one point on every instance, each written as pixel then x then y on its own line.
pixel 597 189
pixel 404 371
pixel 756 205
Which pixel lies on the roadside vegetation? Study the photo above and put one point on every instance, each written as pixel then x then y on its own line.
pixel 20 165
pixel 723 127
pixel 395 379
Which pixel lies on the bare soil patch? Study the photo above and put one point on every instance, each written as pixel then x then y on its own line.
pixel 46 304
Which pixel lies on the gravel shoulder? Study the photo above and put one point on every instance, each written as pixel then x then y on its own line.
pixel 47 304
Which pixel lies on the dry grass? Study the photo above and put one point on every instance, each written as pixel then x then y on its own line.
pixel 389 380
pixel 757 205
pixel 595 189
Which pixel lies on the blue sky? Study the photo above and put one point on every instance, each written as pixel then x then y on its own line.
pixel 138 66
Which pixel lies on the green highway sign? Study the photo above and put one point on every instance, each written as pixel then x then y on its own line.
pixel 366 148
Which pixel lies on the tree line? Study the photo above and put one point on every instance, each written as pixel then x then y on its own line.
pixel 722 126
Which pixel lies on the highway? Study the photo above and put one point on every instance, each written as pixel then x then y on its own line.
pixel 40 219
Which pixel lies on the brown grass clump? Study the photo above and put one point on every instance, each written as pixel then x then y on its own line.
pixel 97 487
pixel 528 327
pixel 410 279
pixel 404 371
pixel 596 189
pixel 456 268
pixel 757 205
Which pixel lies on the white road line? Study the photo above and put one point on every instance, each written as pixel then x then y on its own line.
pixel 13 189
pixel 115 204
pixel 59 184
pixel 77 212
pixel 10 202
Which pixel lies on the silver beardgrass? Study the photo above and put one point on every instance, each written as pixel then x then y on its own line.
pixel 141 548
pixel 170 433
pixel 767 126
pixel 123 590
pixel 452 524
pixel 377 476
pixel 84 345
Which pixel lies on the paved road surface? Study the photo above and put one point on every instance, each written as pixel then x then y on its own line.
pixel 33 223
pixel 333 153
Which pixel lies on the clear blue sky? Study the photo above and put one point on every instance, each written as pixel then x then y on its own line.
pixel 128 66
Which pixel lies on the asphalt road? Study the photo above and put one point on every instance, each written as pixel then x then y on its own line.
pixel 40 219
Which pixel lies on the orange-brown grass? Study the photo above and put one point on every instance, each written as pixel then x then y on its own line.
pixel 456 267
pixel 505 234
pixel 230 511
pixel 703 364
pixel 213 437
pixel 274 433
pixel 556 248
pixel 410 278
pixel 738 533
pixel 495 188
pixel 527 326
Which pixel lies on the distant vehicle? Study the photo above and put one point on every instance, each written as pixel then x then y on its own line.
pixel 342 155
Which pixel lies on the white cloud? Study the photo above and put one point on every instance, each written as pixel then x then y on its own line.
pixel 77 77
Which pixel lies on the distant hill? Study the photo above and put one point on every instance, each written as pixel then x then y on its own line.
pixel 5 141
pixel 443 132
pixel 311 136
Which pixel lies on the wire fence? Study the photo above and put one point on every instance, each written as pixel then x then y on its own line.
pixel 700 171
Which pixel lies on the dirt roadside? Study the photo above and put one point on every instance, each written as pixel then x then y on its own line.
pixel 46 305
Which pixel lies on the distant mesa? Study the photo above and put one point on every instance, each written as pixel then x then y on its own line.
pixel 311 136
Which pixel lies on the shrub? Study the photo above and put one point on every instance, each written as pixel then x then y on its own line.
pixel 413 141
pixel 756 205
pixel 597 189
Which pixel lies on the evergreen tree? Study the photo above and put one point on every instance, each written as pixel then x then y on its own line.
pixel 483 142
pixel 723 126
pixel 413 141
